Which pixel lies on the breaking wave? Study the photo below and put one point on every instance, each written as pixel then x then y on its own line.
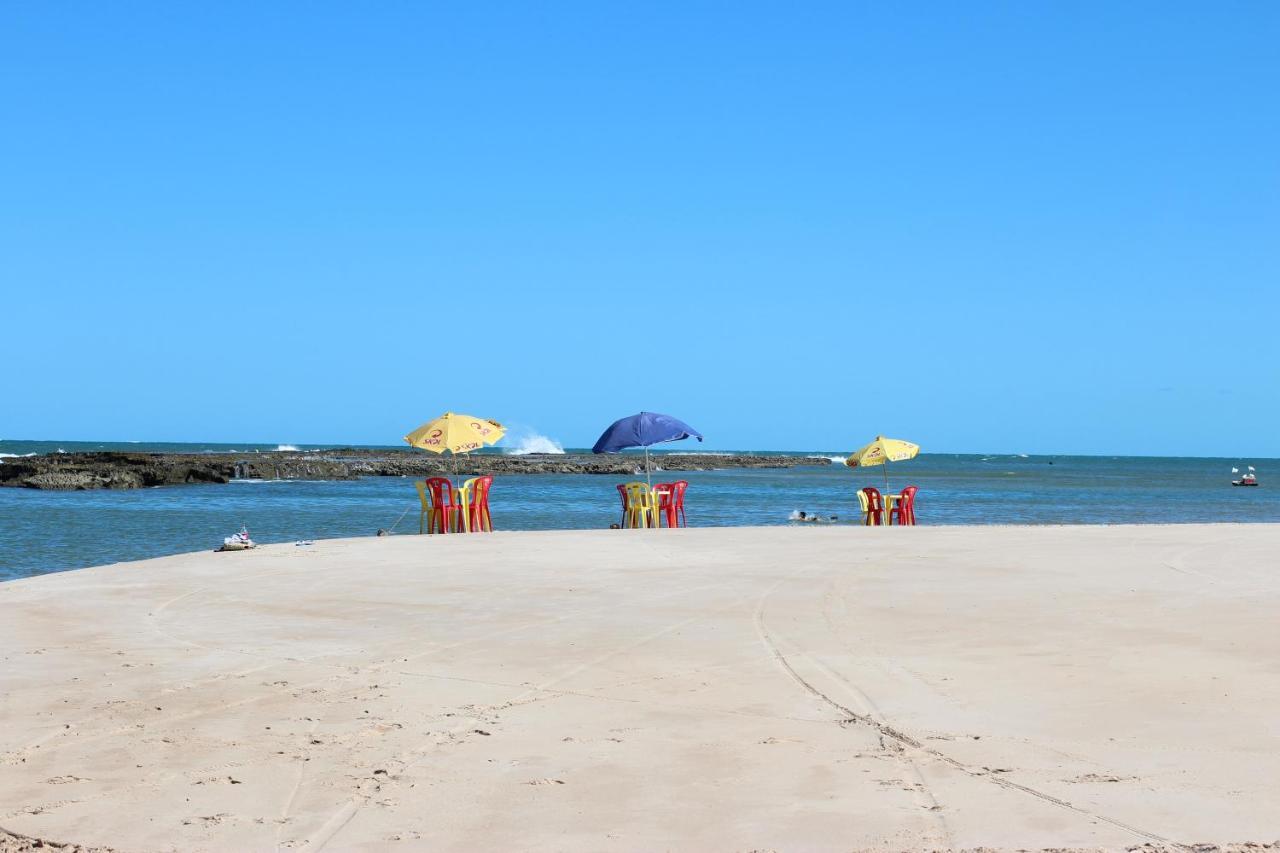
pixel 286 447
pixel 523 445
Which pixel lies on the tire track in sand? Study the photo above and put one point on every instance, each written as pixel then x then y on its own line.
pixel 906 742
pixel 869 713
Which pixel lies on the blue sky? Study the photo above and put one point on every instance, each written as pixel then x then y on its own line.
pixel 1021 227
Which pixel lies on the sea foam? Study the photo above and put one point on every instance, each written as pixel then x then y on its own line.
pixel 523 445
pixel 286 447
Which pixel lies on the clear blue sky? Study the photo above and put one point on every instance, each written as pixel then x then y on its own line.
pixel 1021 227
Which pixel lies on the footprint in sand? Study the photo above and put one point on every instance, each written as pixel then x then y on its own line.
pixel 217 780
pixel 206 819
pixel 1100 777
pixel 547 781
pixel 65 780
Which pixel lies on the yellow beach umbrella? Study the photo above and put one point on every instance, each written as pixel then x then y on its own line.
pixel 455 433
pixel 882 451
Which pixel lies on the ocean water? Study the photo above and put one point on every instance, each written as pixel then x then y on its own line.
pixel 53 531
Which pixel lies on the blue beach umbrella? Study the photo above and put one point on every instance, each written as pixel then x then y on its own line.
pixel 643 430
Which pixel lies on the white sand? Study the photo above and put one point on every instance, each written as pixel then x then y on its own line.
pixel 788 689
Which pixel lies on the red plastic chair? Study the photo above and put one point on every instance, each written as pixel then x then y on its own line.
pixel 479 513
pixel 445 515
pixel 904 511
pixel 875 507
pixel 622 493
pixel 671 502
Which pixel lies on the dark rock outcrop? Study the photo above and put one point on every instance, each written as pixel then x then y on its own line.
pixel 113 470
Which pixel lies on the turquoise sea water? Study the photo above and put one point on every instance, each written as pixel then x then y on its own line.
pixel 51 531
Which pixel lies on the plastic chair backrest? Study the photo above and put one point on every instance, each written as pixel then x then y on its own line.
pixel 638 495
pixel 464 493
pixel 862 501
pixel 480 497
pixel 422 494
pixel 874 501
pixel 441 491
pixel 664 493
pixel 622 493
pixel 677 492
pixel 908 502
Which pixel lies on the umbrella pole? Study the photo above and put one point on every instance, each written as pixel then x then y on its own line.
pixel 648 481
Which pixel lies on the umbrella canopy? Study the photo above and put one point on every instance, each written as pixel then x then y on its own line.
pixel 455 433
pixel 643 430
pixel 882 451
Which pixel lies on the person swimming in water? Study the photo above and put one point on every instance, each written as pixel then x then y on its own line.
pixel 811 518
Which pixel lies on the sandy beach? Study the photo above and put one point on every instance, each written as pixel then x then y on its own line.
pixel 700 689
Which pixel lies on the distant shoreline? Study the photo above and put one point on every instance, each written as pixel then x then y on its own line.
pixel 135 470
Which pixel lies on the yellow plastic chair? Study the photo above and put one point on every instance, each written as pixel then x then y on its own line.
pixel 642 509
pixel 464 497
pixel 426 505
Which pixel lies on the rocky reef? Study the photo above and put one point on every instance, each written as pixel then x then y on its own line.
pixel 112 470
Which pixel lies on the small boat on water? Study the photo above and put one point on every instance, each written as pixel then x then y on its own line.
pixel 1249 479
